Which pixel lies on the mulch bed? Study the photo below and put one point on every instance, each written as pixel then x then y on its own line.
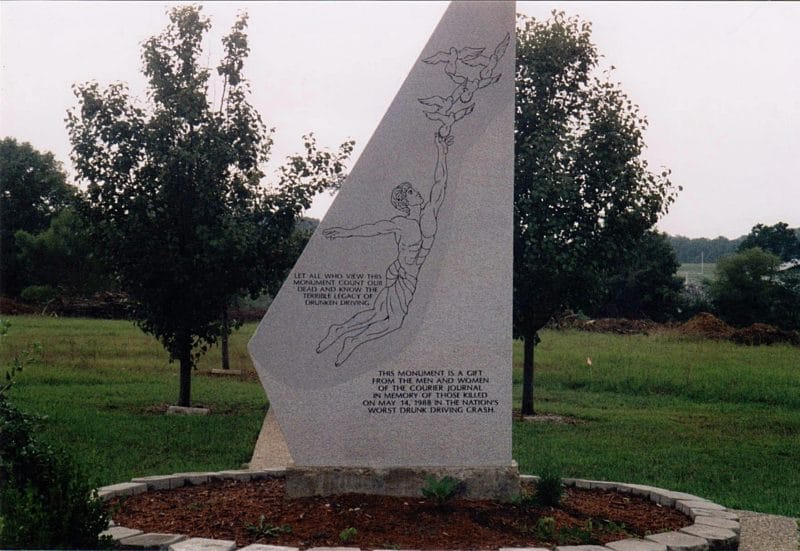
pixel 260 512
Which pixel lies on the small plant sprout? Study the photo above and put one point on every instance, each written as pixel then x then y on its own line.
pixel 266 530
pixel 347 534
pixel 546 528
pixel 440 489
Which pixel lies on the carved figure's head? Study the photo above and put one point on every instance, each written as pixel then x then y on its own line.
pixel 405 196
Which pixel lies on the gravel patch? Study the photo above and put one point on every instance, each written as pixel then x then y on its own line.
pixel 761 532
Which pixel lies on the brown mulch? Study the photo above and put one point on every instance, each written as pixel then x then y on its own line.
pixel 232 510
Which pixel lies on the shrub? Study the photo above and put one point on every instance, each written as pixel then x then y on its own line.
pixel 46 501
pixel 38 294
pixel 549 489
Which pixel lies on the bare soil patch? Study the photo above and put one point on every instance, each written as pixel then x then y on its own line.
pixel 260 512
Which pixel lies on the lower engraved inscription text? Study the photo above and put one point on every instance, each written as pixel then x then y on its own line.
pixel 430 392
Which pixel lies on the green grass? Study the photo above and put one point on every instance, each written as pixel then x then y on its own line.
pixel 696 273
pixel 711 418
pixel 100 384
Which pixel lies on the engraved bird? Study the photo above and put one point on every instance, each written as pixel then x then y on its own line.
pixel 449 119
pixel 467 87
pixel 453 56
pixel 489 63
pixel 440 104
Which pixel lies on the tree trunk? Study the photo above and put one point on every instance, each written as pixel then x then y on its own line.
pixel 226 329
pixel 528 342
pixel 185 396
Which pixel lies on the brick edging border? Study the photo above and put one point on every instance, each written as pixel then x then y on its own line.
pixel 715 528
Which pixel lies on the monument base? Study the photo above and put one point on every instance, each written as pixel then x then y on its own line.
pixel 271 451
pixel 501 483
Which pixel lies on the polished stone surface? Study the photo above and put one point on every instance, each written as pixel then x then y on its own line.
pixel 390 342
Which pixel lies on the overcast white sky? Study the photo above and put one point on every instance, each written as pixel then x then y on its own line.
pixel 719 82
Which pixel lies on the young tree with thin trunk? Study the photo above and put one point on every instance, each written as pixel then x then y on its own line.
pixel 174 187
pixel 583 194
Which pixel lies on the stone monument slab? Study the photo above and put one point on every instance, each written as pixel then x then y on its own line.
pixel 389 345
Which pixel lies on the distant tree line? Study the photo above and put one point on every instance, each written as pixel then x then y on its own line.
pixel 694 250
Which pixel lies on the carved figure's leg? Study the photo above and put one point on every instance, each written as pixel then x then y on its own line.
pixel 375 331
pixel 358 322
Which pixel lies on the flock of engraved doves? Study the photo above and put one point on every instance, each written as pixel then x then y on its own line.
pixel 449 110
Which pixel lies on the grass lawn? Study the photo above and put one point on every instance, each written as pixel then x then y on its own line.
pixel 715 419
pixel 698 272
pixel 100 384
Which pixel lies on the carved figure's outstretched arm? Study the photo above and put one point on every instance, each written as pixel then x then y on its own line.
pixel 380 227
pixel 440 173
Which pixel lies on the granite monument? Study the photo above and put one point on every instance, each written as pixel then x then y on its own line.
pixel 389 345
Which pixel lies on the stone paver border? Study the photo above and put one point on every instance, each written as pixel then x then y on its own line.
pixel 715 528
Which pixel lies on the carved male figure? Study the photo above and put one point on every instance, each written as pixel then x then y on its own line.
pixel 414 233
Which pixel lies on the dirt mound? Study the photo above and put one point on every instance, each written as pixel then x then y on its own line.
pixel 104 305
pixel 13 308
pixel 620 326
pixel 761 333
pixel 706 325
pixel 247 313
pixel 566 320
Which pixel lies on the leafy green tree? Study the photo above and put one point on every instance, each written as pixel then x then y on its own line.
pixel 786 306
pixel 62 257
pixel 33 188
pixel 583 193
pixel 644 284
pixel 174 190
pixel 778 239
pixel 748 289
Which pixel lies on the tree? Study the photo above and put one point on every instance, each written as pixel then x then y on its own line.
pixel 779 239
pixel 33 188
pixel 583 195
pixel 62 257
pixel 174 190
pixel 644 284
pixel 748 289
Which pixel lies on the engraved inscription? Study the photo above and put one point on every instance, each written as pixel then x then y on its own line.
pixel 337 289
pixel 436 391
